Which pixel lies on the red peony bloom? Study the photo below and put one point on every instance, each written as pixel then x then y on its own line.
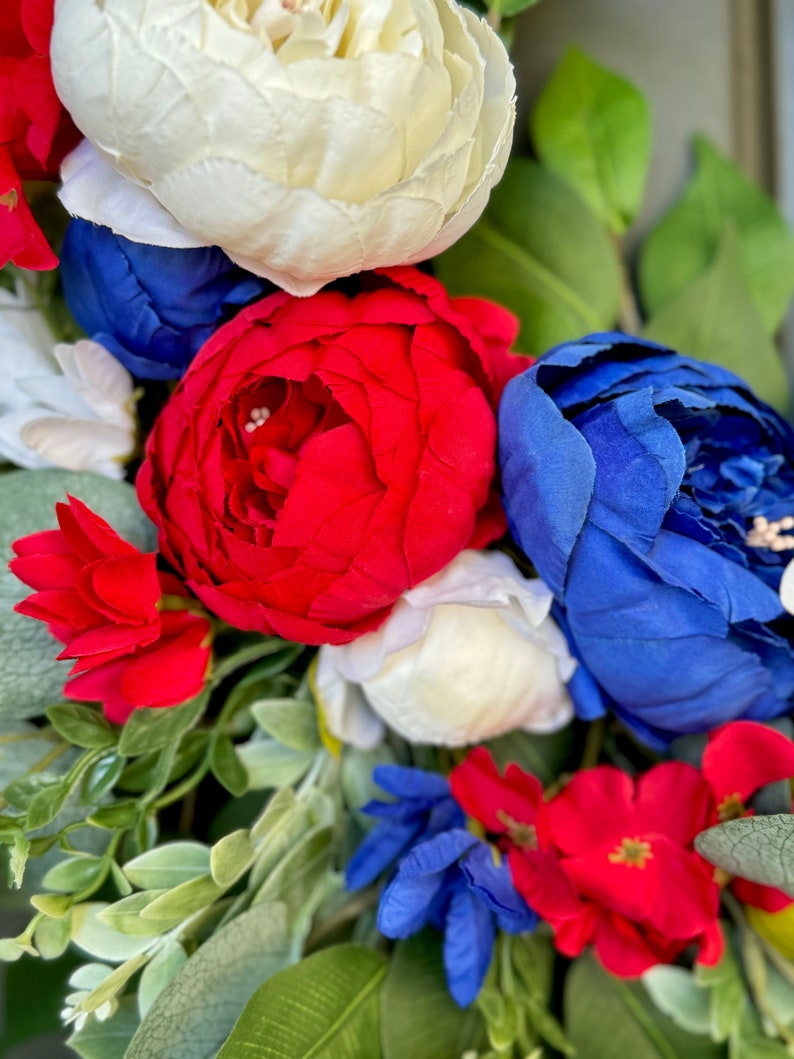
pixel 35 131
pixel 129 626
pixel 322 455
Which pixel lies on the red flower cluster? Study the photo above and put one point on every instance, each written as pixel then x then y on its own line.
pixel 610 860
pixel 322 455
pixel 35 131
pixel 129 626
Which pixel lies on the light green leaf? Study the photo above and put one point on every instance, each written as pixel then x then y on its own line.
pixel 193 1015
pixel 116 817
pixel 675 993
pixel 715 320
pixel 54 905
pixel 683 244
pixel 30 678
pixel 169 959
pixel 593 129
pixel 108 1039
pixel 52 937
pixel 358 786
pixel 326 1007
pixel 102 777
pixel 150 728
pixel 74 873
pixel 419 1019
pixel 22 746
pixel 269 764
pixel 227 767
pixel 169 865
pixel 289 722
pixel 18 860
pixel 46 805
pixel 509 8
pixel 758 1048
pixel 21 792
pixel 231 858
pixel 94 937
pixel 114 983
pixel 758 848
pixel 281 806
pixel 125 916
pixel 612 1019
pixel 296 877
pixel 183 900
pixel 82 726
pixel 539 250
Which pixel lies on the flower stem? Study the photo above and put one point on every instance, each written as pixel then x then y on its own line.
pixel 629 317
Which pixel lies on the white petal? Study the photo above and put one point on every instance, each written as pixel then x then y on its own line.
pixel 345 711
pixel 787 588
pixel 103 383
pixel 80 445
pixel 12 447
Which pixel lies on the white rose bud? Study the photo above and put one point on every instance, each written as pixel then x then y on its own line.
pixel 310 139
pixel 467 655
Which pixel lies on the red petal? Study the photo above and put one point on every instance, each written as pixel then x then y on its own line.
pixel 170 671
pixel 627 950
pixel 743 756
pixel 765 897
pixel 482 793
pixel 596 808
pixel 541 881
pixel 674 799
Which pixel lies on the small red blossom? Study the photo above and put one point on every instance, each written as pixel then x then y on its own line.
pixel 35 131
pixel 131 630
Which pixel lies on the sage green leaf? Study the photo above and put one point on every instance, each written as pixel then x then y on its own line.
pixel 357 783
pixel 227 768
pixel 539 250
pixel 325 1007
pixel 289 722
pixel 419 1019
pixel 125 916
pixel 52 937
pixel 150 728
pixel 714 319
pixel 114 983
pixel 676 993
pixel 269 764
pixel 727 993
pixel 168 865
pixel 611 1018
pixel 116 817
pixel 683 244
pixel 281 806
pixel 22 745
pixel 593 129
pixel 74 874
pixel 183 900
pixel 46 805
pixel 82 726
pixel 231 857
pixel 94 937
pixel 193 1015
pixel 18 859
pixel 758 848
pixel 21 792
pixel 30 677
pixel 166 963
pixel 54 905
pixel 296 877
pixel 108 1039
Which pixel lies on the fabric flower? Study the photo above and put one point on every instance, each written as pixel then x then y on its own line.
pixel 71 406
pixel 35 131
pixel 132 630
pixel 309 141
pixel 446 877
pixel 153 308
pixel 414 675
pixel 323 455
pixel 645 487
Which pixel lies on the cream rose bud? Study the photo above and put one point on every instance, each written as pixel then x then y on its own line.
pixel 466 655
pixel 310 139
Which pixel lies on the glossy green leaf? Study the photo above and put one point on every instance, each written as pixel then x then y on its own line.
pixel 714 319
pixel 539 250
pixel 758 848
pixel 325 1007
pixel 82 726
pixel 168 865
pixel 151 729
pixel 108 1039
pixel 593 128
pixel 289 722
pixel 684 243
pixel 419 1018
pixel 227 768
pixel 193 1015
pixel 102 777
pixel 116 817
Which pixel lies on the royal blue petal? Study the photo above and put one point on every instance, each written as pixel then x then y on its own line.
pixel 468 945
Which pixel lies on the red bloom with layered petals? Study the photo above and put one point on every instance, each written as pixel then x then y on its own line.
pixel 127 625
pixel 35 130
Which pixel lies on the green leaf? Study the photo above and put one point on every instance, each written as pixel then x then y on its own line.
pixel 539 250
pixel 17 862
pixel 167 962
pixel 21 792
pixel 30 677
pixel 683 244
pixel 758 848
pixel 289 722
pixel 114 982
pixel 151 728
pixel 74 874
pixel 675 993
pixel 102 777
pixel 125 916
pixel 543 755
pixel 82 726
pixel 184 900
pixel 231 857
pixel 612 1019
pixel 254 648
pixel 193 1015
pixel 116 817
pixel 269 764
pixel 593 129
pixel 92 935
pixel 52 937
pixel 296 877
pixel 325 1007
pixel 108 1039
pixel 46 805
pixel 715 320
pixel 169 865
pixel 227 768
pixel 54 905
pixel 419 1019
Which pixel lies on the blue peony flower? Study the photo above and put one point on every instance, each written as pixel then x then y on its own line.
pixel 151 306
pixel 446 877
pixel 653 494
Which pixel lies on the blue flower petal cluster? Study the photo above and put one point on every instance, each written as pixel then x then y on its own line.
pixel 446 877
pixel 641 484
pixel 153 307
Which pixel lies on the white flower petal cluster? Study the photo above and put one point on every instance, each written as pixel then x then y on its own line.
pixel 68 407
pixel 310 139
pixel 467 655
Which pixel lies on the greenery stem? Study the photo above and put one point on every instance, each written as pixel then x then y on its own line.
pixel 593 743
pixel 349 913
pixel 628 312
pixel 183 788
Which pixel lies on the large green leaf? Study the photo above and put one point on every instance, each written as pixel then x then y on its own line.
pixel 539 250
pixel 593 128
pixel 613 1019
pixel 758 848
pixel 419 1019
pixel 30 678
pixel 193 1015
pixel 714 319
pixel 108 1039
pixel 325 1007
pixel 684 242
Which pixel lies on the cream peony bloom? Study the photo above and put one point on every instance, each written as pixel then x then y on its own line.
pixel 310 139
pixel 468 654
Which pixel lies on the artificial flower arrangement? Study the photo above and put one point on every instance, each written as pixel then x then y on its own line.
pixel 397 656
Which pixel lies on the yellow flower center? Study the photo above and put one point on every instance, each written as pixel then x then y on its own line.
pixel 634 852
pixel 525 836
pixel 731 808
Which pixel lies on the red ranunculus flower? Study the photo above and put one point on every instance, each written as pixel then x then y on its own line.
pixel 133 633
pixel 35 131
pixel 322 455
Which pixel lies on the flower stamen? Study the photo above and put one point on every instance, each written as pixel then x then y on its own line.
pixel 524 836
pixel 731 808
pixel 258 418
pixel 634 852
pixel 772 535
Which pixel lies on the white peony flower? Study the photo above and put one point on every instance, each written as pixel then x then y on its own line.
pixel 787 588
pixel 310 139
pixel 69 407
pixel 468 654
